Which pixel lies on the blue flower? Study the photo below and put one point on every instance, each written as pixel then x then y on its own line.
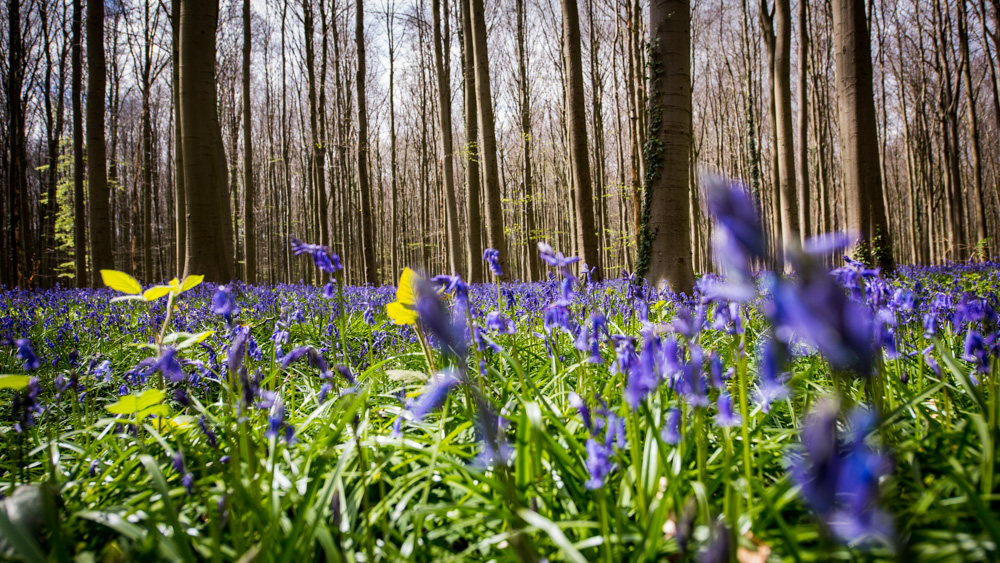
pixel 223 303
pixel 671 431
pixel 434 394
pixel 499 323
pixel 324 259
pixel 598 463
pixel 24 352
pixel 726 417
pixel 839 475
pixel 492 258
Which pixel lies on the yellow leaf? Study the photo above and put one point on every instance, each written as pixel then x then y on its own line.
pixel 156 292
pixel 161 411
pixel 406 293
pixel 131 404
pixel 120 281
pixel 401 314
pixel 15 382
pixel 190 282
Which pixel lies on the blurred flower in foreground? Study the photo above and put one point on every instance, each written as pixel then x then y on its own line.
pixel 839 475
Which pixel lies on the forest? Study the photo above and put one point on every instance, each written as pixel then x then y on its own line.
pixel 507 280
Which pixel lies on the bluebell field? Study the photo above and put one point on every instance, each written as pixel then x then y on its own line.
pixel 821 415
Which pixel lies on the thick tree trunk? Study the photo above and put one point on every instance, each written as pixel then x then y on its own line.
pixel 495 235
pixel 97 179
pixel 859 135
pixel 665 247
pixel 579 155
pixel 972 121
pixel 441 52
pixel 475 256
pixel 249 220
pixel 368 234
pixel 209 247
pixel 19 268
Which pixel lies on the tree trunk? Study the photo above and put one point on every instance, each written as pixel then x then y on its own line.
pixel 368 235
pixel 665 246
pixel 859 135
pixel 441 52
pixel 972 121
pixel 97 180
pixel 19 264
pixel 249 224
pixel 579 155
pixel 805 211
pixel 209 247
pixel 180 208
pixel 495 235
pixel 79 215
pixel 475 256
pixel 534 267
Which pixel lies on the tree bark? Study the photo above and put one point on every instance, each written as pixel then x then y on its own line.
pixel 475 255
pixel 859 134
pixel 665 244
pixel 209 247
pixel 180 208
pixel 495 233
pixel 579 155
pixel 442 51
pixel 79 215
pixel 368 235
pixel 533 261
pixel 249 219
pixel 97 179
pixel 805 211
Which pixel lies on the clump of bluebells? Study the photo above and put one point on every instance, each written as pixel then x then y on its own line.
pixel 813 413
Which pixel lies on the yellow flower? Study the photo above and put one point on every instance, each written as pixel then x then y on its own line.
pixel 403 311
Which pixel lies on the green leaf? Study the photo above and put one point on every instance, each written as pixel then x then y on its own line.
pixel 131 404
pixel 15 382
pixel 120 281
pixel 555 534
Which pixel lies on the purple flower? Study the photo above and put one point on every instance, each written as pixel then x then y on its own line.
pixel 223 303
pixel 726 417
pixel 449 330
pixel 434 394
pixel 581 407
pixel 740 238
pixel 557 260
pixel 209 434
pixel 499 323
pixel 598 463
pixel 26 405
pixel 168 365
pixel 324 259
pixel 771 386
pixel 237 351
pixel 839 475
pixel 974 351
pixel 671 431
pixel 644 375
pixel 492 258
pixel 24 352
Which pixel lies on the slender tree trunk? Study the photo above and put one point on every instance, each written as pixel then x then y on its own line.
pixel 79 215
pixel 972 121
pixel 665 244
pixel 180 208
pixel 475 256
pixel 534 268
pixel 495 234
pixel 97 180
pixel 209 248
pixel 368 235
pixel 805 212
pixel 858 133
pixel 579 154
pixel 249 219
pixel 17 172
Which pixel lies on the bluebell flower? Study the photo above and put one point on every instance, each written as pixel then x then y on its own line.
pixel 974 350
pixel 209 434
pixel 26 406
pixel 434 394
pixel 557 260
pixel 771 386
pixel 492 258
pixel 169 367
pixel 449 330
pixel 671 431
pixel 598 463
pixel 24 352
pixel 495 321
pixel 237 351
pixel 740 237
pixel 224 304
pixel 726 417
pixel 324 259
pixel 839 476
pixel 644 375
pixel 581 407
